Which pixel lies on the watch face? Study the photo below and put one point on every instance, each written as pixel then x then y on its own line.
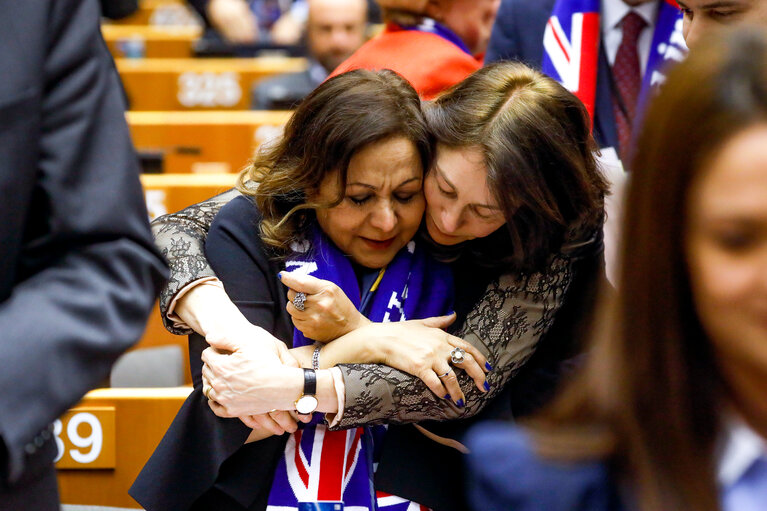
pixel 306 404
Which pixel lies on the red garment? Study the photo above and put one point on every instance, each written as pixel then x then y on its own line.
pixel 429 62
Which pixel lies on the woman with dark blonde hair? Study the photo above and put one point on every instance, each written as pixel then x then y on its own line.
pixel 524 266
pixel 670 411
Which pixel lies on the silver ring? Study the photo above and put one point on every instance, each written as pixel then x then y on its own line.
pixel 443 375
pixel 299 301
pixel 458 355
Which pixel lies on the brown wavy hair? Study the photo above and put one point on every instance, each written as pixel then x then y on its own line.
pixel 537 144
pixel 651 397
pixel 339 118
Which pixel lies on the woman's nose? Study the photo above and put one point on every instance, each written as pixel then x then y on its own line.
pixel 450 220
pixel 384 218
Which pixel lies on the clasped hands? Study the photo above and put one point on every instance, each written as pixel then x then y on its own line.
pixel 247 373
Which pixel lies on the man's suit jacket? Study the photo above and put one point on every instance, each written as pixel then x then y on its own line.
pixel 283 92
pixel 518 35
pixel 78 269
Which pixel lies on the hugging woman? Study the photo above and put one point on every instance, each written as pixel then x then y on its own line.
pixel 514 205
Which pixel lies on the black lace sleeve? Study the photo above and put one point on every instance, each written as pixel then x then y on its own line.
pixel 181 239
pixel 505 325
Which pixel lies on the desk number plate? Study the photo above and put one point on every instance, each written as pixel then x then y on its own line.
pixel 85 438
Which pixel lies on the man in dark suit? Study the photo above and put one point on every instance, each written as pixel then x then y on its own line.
pixel 78 269
pixel 334 30
pixel 518 35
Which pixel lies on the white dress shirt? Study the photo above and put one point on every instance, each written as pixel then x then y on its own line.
pixel 742 468
pixel 612 14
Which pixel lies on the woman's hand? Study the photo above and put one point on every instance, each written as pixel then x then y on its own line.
pixel 328 313
pixel 276 422
pixel 240 378
pixel 417 347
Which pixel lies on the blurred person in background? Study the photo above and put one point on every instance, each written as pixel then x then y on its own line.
pixel 702 17
pixel 244 21
pixel 634 39
pixel 434 44
pixel 670 412
pixel 334 30
pixel 78 271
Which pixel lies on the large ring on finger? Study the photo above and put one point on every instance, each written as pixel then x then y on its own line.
pixel 458 355
pixel 299 301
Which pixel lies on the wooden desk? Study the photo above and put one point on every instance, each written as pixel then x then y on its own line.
pixel 150 41
pixel 131 423
pixel 198 84
pixel 161 12
pixel 204 142
pixel 168 193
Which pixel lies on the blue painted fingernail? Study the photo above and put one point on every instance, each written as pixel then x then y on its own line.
pixel 447 396
pixel 488 366
pixel 279 275
pixel 487 386
pixel 460 403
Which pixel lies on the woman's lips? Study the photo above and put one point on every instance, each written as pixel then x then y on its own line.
pixel 378 244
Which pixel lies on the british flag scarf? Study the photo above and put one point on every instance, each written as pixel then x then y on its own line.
pixel 571 48
pixel 322 465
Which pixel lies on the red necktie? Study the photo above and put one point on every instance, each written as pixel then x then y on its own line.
pixel 628 79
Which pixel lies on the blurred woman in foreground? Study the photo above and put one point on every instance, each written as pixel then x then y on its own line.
pixel 670 412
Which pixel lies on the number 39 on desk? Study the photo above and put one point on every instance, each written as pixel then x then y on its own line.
pixel 85 438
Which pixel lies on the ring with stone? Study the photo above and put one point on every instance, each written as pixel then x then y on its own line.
pixel 299 301
pixel 458 355
pixel 443 375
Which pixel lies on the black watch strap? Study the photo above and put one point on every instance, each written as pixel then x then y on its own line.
pixel 310 382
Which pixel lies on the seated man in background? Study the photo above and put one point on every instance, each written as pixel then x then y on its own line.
pixel 335 29
pixel 243 21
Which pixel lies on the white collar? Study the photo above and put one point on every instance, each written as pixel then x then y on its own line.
pixel 740 447
pixel 613 12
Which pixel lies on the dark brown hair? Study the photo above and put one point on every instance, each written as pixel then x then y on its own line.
pixel 539 152
pixel 342 116
pixel 651 396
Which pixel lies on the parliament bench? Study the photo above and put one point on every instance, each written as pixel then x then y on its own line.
pixel 209 142
pixel 198 84
pixel 106 439
pixel 135 41
pixel 161 12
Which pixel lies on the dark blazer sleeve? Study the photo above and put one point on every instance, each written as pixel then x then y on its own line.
pixel 201 450
pixel 78 271
pixel 506 473
pixel 518 31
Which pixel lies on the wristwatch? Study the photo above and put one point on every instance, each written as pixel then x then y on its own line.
pixel 307 403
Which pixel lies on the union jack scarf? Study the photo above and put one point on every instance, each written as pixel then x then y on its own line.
pixel 571 48
pixel 323 465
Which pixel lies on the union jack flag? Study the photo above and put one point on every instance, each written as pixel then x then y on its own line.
pixel 323 465
pixel 571 48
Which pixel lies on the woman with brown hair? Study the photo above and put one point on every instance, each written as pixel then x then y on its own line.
pixel 670 411
pixel 512 302
pixel 340 196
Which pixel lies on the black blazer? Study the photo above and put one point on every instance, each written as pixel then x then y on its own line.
pixel 518 35
pixel 202 452
pixel 78 269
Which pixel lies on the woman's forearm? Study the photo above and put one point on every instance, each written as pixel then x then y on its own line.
pixel 181 239
pixel 523 309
